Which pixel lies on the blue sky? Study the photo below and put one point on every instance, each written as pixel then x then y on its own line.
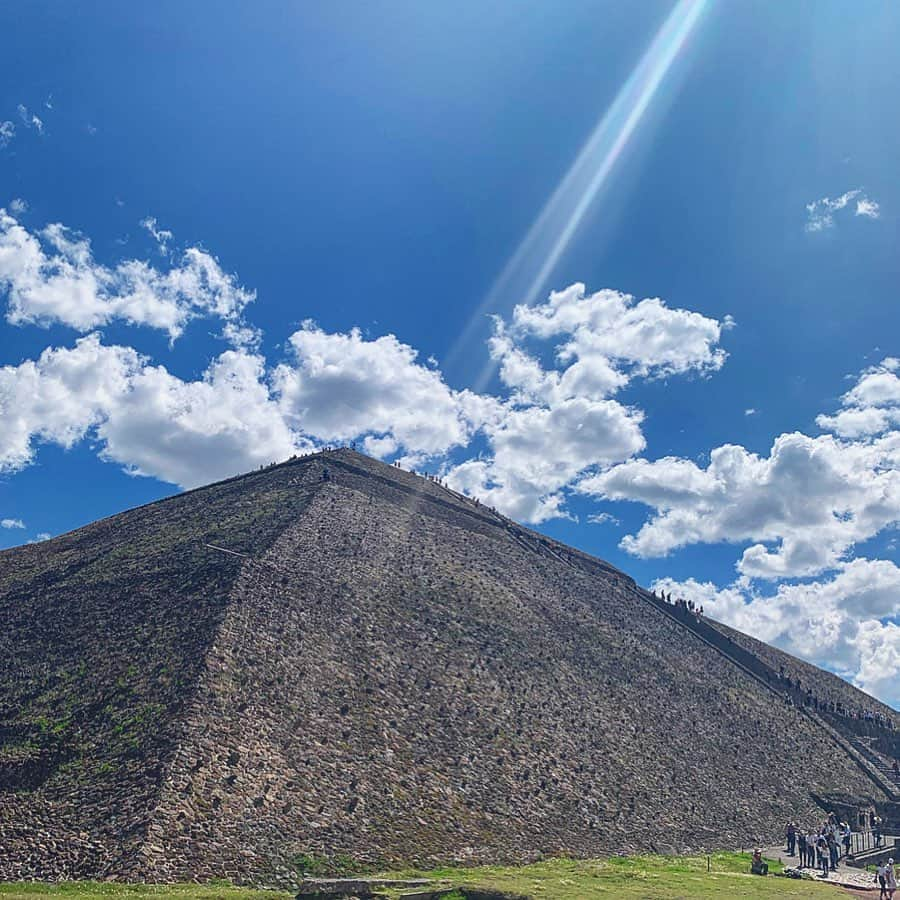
pixel 318 168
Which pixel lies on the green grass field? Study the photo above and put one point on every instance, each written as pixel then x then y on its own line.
pixel 657 877
pixel 666 878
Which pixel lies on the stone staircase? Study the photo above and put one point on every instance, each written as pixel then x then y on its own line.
pixel 863 745
pixel 872 765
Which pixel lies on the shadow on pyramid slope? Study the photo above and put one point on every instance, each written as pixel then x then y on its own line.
pixel 332 656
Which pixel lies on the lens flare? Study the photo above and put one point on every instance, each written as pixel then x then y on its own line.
pixel 527 270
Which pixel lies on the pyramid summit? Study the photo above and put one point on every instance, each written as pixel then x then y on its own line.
pixel 335 657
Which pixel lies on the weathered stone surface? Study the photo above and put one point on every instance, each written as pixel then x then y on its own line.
pixel 389 672
pixel 321 888
pixel 312 888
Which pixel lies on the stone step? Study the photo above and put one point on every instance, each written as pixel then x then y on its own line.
pixel 420 889
pixel 322 888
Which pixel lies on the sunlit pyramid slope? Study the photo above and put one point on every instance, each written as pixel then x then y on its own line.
pixel 335 657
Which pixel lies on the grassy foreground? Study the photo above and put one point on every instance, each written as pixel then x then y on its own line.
pixel 657 877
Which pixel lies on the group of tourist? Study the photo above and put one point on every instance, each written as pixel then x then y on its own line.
pixel 680 604
pixel 820 848
pixel 872 717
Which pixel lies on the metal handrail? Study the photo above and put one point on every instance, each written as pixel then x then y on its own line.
pixel 862 841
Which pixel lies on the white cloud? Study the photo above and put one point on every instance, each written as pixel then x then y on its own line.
pixel 868 208
pixel 7 133
pixel 29 119
pixel 150 421
pixel 553 425
pixel 380 446
pixel 871 407
pixel 162 236
pixel 341 386
pixel 191 433
pixel 603 518
pixel 17 206
pixel 538 451
pixel 60 396
pixel 52 276
pixel 562 421
pixel 145 418
pixel 858 422
pixel 11 523
pixel 750 411
pixel 820 213
pixel 844 623
pixel 805 505
pixel 242 336
pixel 646 338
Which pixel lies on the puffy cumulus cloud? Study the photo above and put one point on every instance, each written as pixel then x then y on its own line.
pixel 519 498
pixel 380 446
pixel 820 213
pixel 871 407
pixel 60 396
pixel 591 378
pixel 51 276
pixel 339 386
pixel 7 132
pixel 538 451
pixel 848 623
pixel 811 499
pixel 878 645
pixel 11 523
pixel 153 423
pixel 191 433
pixel 624 337
pixel 560 421
pixel 547 427
pixel 805 505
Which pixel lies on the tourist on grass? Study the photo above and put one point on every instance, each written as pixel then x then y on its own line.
pixel 758 866
pixel 791 833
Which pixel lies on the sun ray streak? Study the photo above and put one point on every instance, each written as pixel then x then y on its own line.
pixel 528 269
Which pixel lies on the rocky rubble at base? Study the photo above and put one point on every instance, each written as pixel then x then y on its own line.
pixel 413 889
